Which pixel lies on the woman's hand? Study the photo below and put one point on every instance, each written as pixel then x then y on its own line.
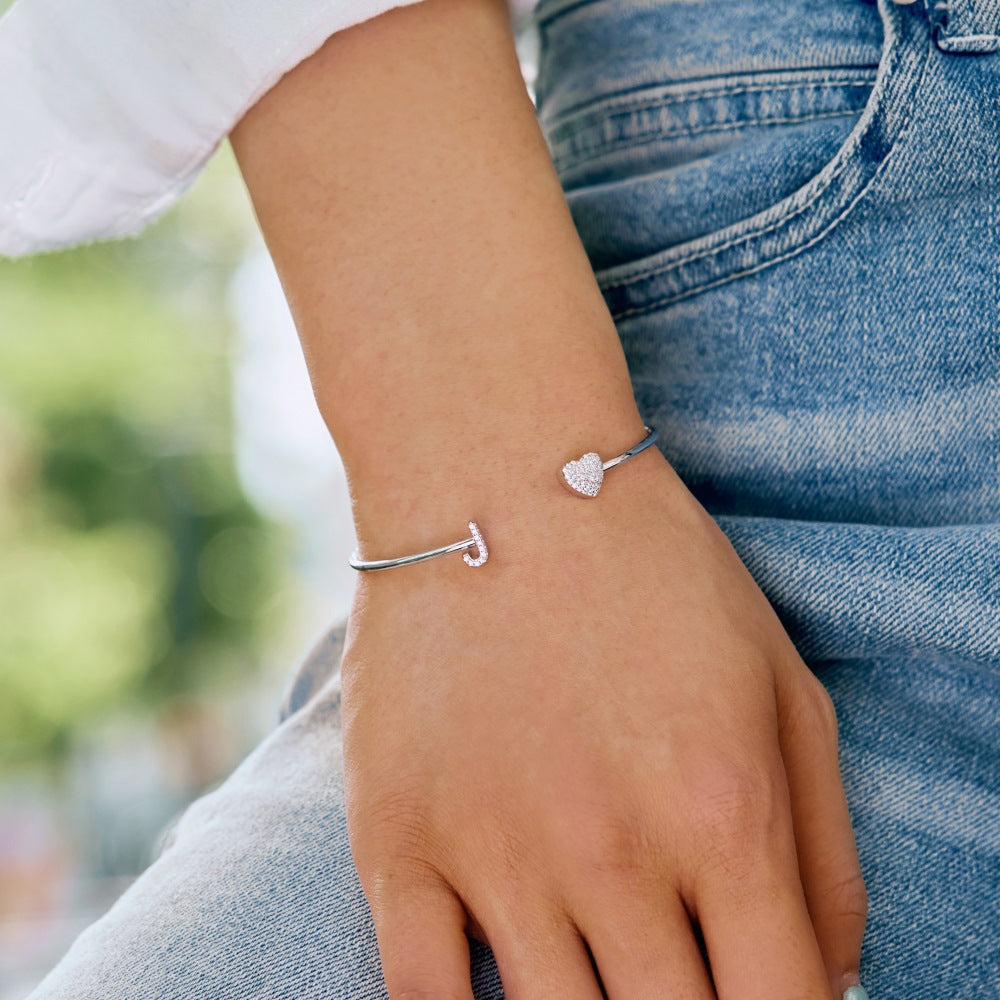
pixel 603 734
pixel 608 742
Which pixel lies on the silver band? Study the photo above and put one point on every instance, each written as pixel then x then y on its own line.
pixel 476 541
pixel 583 477
pixel 651 438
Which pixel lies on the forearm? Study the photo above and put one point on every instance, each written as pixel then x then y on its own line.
pixel 458 345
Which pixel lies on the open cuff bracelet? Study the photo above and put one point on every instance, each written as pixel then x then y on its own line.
pixel 582 476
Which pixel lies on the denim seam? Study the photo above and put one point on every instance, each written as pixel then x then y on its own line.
pixel 951 43
pixel 619 105
pixel 611 145
pixel 784 220
pixel 760 265
pixel 560 10
pixel 696 254
pixel 993 218
pixel 707 252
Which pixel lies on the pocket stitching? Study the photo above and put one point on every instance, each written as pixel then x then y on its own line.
pixel 763 229
pixel 604 104
pixel 793 252
pixel 721 127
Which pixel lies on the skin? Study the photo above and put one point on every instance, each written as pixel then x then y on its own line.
pixel 602 741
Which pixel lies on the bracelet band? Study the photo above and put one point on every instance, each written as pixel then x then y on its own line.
pixel 582 476
pixel 476 540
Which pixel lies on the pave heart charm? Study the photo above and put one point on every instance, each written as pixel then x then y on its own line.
pixel 585 474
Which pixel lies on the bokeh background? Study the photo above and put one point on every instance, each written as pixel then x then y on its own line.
pixel 174 535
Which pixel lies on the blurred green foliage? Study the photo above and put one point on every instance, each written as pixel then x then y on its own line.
pixel 132 568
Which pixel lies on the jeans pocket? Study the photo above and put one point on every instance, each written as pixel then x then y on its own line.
pixel 682 186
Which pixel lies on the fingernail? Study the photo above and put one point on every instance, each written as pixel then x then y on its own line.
pixel 856 993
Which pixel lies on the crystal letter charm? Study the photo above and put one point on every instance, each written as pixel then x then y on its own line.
pixel 480 545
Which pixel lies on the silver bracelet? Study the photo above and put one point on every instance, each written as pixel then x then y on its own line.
pixel 467 543
pixel 582 476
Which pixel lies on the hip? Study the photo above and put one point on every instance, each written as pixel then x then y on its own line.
pixel 791 210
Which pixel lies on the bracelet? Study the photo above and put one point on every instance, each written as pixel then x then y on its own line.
pixel 582 476
pixel 467 543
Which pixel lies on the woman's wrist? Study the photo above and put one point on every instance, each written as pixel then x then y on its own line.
pixel 418 472
pixel 522 508
pixel 459 347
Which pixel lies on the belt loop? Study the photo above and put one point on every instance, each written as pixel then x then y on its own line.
pixel 970 26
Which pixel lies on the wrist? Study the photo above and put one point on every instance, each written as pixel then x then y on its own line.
pixel 514 493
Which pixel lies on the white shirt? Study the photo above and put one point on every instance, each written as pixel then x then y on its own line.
pixel 110 109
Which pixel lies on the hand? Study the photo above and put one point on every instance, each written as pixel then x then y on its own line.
pixel 612 745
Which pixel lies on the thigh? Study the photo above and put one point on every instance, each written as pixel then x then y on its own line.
pixel 792 212
pixel 921 768
pixel 255 895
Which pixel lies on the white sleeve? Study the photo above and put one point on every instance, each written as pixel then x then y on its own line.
pixel 109 109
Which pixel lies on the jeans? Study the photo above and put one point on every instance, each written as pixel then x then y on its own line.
pixel 791 209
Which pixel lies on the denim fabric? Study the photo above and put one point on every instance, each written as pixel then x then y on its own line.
pixel 791 208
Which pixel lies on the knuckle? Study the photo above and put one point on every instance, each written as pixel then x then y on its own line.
pixel 737 808
pixel 848 898
pixel 394 816
pixel 394 831
pixel 397 888
pixel 822 712
pixel 806 709
pixel 612 845
pixel 510 852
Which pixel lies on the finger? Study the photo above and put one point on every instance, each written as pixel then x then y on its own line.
pixel 422 943
pixel 643 944
pixel 828 857
pixel 539 954
pixel 747 894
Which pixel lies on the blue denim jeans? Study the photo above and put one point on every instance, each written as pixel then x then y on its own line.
pixel 791 207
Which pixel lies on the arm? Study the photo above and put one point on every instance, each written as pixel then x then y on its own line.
pixel 604 732
pixel 458 344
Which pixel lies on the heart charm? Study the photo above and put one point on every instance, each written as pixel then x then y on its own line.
pixel 585 474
